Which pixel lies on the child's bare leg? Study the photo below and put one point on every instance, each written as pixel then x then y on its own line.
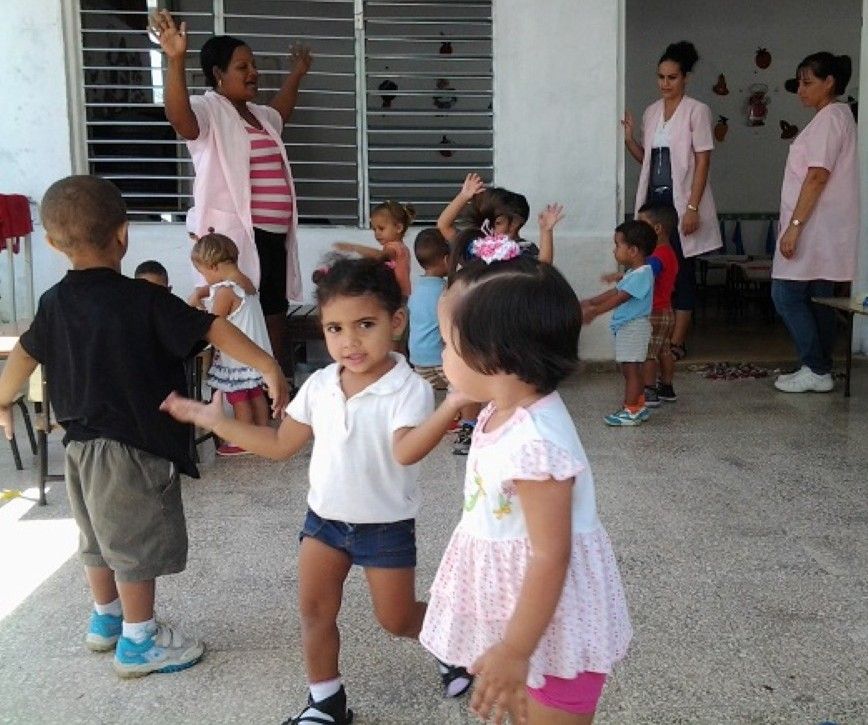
pixel 393 592
pixel 649 373
pixel 101 580
pixel 259 406
pixel 137 600
pixel 243 410
pixel 634 387
pixel 321 574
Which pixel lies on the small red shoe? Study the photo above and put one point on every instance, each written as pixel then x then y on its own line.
pixel 229 450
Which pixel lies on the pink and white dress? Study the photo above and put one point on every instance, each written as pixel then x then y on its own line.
pixel 478 583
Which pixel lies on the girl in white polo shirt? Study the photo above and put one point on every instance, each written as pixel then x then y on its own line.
pixel 362 413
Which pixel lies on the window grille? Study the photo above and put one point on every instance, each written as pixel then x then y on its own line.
pixel 397 103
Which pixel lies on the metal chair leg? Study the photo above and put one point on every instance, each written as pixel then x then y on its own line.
pixel 28 424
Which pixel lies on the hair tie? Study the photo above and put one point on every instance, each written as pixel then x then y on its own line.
pixel 323 269
pixel 493 247
pixel 391 264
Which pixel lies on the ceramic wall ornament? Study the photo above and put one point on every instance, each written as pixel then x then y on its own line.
pixel 763 58
pixel 788 130
pixel 446 48
pixel 757 104
pixel 721 128
pixel 444 151
pixel 445 102
pixel 720 87
pixel 387 85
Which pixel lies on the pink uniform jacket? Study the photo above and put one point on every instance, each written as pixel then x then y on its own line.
pixel 690 131
pixel 221 189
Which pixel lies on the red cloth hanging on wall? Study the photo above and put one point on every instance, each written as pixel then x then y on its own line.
pixel 15 219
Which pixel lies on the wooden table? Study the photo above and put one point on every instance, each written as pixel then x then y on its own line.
pixel 9 334
pixel 849 308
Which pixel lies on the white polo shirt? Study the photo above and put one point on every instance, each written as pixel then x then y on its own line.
pixel 354 477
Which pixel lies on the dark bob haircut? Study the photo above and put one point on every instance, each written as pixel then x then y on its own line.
pixel 81 211
pixel 683 53
pixel 638 234
pixel 430 246
pixel 663 214
pixel 823 65
pixel 152 266
pixel 519 317
pixel 217 51
pixel 339 276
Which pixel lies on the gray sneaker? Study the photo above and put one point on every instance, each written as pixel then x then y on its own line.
pixel 652 400
pixel 166 650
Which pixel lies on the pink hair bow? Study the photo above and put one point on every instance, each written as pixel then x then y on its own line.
pixel 494 247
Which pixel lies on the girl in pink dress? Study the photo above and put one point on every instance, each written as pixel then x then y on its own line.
pixel 528 594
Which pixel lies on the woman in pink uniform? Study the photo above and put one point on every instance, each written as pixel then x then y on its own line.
pixel 243 187
pixel 819 234
pixel 675 154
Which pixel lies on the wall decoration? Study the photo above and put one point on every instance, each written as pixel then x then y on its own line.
pixel 721 128
pixel 445 152
pixel 445 102
pixel 763 58
pixel 788 130
pixel 720 87
pixel 446 48
pixel 387 85
pixel 757 104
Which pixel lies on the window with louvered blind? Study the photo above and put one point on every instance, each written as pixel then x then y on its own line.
pixel 397 104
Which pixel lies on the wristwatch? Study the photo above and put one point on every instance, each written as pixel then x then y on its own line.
pixel 690 207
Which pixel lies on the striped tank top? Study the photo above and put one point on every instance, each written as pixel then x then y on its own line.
pixel 270 196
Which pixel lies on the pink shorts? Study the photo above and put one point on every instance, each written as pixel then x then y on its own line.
pixel 239 396
pixel 578 696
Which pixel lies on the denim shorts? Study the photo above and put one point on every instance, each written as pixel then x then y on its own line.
pixel 382 546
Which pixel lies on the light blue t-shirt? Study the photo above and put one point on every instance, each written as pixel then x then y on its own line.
pixel 426 345
pixel 639 284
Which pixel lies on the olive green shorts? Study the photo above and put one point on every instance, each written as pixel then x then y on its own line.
pixel 127 504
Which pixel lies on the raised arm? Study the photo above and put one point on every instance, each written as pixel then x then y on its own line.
pixel 548 219
pixel 473 185
pixel 361 249
pixel 285 99
pixel 634 147
pixel 173 41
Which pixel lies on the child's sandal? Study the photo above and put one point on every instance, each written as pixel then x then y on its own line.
pixel 677 351
pixel 456 680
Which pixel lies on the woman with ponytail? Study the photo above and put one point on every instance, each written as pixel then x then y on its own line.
pixel 675 154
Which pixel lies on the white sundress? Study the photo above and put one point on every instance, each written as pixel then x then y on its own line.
pixel 226 373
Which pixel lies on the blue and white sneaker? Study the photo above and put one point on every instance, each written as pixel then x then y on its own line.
pixel 103 631
pixel 625 417
pixel 166 650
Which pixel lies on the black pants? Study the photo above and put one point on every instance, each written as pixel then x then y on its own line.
pixel 271 248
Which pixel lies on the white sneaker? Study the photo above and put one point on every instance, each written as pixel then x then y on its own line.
pixel 790 376
pixel 804 381
pixel 166 650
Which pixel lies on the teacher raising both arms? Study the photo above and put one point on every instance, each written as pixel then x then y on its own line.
pixel 675 154
pixel 243 186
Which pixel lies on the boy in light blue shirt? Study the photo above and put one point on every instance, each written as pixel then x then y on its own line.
pixel 631 301
pixel 426 344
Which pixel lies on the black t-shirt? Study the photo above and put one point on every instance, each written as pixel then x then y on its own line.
pixel 113 348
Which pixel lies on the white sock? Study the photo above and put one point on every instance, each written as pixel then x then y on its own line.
pixel 113 608
pixel 139 631
pixel 320 691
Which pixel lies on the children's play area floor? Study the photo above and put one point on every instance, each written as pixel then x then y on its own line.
pixel 739 516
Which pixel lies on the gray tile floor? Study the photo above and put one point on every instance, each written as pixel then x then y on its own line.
pixel 738 514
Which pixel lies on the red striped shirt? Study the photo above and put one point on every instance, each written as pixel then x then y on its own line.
pixel 270 195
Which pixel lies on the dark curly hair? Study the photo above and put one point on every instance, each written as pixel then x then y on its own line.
pixel 343 276
pixel 217 51
pixel 683 53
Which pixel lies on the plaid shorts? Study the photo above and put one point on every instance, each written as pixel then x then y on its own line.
pixel 434 375
pixel 662 324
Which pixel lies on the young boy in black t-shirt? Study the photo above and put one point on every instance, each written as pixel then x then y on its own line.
pixel 113 349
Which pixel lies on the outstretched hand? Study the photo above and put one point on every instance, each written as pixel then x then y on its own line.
pixel 550 216
pixel 473 185
pixel 186 410
pixel 172 38
pixel 7 420
pixel 300 58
